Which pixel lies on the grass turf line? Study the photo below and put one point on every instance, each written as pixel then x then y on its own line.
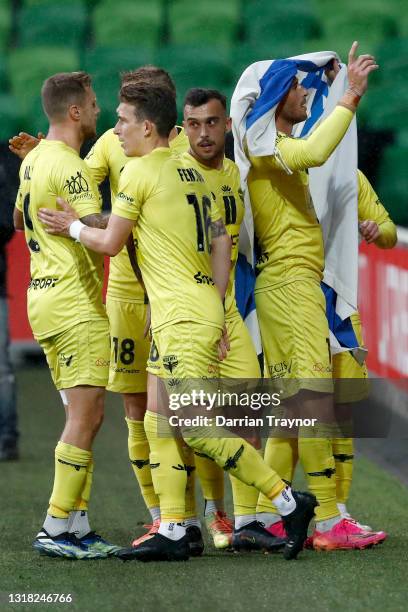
pixel 345 580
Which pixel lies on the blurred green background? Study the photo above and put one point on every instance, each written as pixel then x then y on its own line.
pixel 208 43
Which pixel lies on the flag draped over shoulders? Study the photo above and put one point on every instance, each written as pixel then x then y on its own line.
pixel 333 186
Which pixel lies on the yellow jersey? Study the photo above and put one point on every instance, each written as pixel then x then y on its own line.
pixel 173 209
pixel 225 187
pixel 107 159
pixel 286 226
pixel 370 208
pixel 66 278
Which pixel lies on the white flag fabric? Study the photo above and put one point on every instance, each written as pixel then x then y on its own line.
pixel 333 186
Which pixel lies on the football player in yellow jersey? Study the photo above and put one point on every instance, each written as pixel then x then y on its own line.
pixel 351 378
pixel 206 123
pixel 290 303
pixel 174 213
pixel 125 300
pixel 126 304
pixel 65 308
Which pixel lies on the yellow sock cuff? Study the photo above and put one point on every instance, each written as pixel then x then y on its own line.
pixel 157 424
pixel 136 430
pixel 71 471
pixel 277 489
pixel 72 454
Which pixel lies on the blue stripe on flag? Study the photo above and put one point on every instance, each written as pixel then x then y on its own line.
pixel 244 286
pixel 342 329
pixel 315 81
pixel 275 84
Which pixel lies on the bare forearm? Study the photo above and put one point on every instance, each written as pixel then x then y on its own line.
pixel 18 219
pixel 221 262
pixel 99 240
pixel 99 220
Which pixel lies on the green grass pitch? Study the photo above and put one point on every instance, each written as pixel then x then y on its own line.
pixel 374 579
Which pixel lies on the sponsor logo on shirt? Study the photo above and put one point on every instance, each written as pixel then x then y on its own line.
pixel 100 362
pixel 77 184
pixel 278 370
pixel 154 353
pixel 203 279
pixel 212 368
pixel 65 360
pixel 173 382
pixel 125 198
pixel 42 283
pixel 319 367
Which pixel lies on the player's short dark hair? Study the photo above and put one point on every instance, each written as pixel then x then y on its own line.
pixel 151 75
pixel 197 96
pixel 157 104
pixel 63 89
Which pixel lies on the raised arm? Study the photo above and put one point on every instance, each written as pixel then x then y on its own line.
pixel 299 154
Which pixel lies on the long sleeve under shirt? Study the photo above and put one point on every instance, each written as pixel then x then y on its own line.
pixel 370 208
pixel 287 229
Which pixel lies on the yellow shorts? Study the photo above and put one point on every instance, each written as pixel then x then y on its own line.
pixel 350 378
pixel 185 351
pixel 242 360
pixel 129 349
pixel 79 355
pixel 295 337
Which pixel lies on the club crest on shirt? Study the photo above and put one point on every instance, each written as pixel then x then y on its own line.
pixel 170 362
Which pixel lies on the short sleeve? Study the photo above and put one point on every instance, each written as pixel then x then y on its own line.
pixel 97 160
pixel 131 192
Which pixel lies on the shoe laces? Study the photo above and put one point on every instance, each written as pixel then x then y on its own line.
pixel 71 537
pixel 152 527
pixel 222 522
pixel 349 518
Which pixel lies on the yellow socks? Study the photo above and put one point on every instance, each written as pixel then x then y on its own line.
pixel 211 477
pixel 316 456
pixel 83 501
pixel 187 454
pixel 244 496
pixel 71 465
pixel 281 454
pixel 343 449
pixel 138 447
pixel 237 457
pixel 167 467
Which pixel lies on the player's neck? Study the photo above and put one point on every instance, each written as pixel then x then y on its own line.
pixel 284 125
pixel 66 135
pixel 155 143
pixel 216 163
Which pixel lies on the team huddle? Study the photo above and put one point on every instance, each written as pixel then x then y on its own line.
pixel 171 321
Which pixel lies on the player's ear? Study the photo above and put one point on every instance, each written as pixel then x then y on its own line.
pixel 228 124
pixel 74 112
pixel 147 128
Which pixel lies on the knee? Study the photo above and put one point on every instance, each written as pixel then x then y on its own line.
pixel 135 405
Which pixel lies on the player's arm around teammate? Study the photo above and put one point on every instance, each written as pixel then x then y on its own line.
pixel 65 306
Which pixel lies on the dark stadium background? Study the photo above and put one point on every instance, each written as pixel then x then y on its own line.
pixel 208 43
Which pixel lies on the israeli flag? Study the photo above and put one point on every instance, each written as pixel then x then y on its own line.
pixel 333 186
